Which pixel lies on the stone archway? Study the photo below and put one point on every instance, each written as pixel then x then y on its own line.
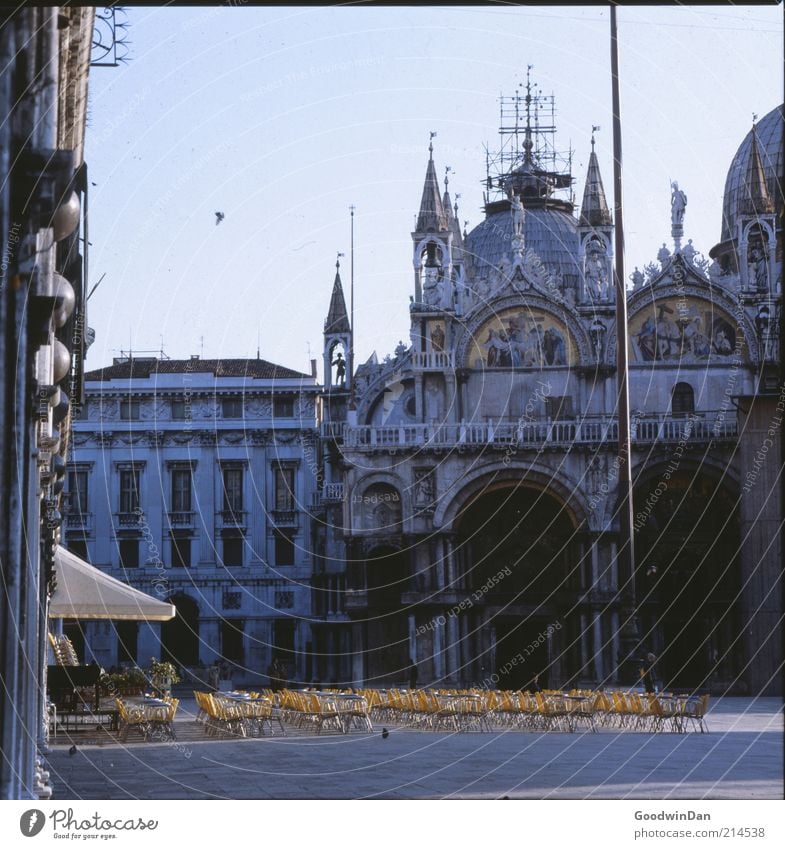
pixel 688 579
pixel 518 561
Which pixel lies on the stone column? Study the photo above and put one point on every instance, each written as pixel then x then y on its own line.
pixel 452 648
pixel 330 649
pixel 584 647
pixel 413 637
pixel 358 646
pixel 438 648
pixel 599 670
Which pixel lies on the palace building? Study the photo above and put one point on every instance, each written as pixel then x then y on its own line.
pixel 478 534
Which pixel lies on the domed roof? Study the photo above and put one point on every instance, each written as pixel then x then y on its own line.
pixel 551 233
pixel 769 132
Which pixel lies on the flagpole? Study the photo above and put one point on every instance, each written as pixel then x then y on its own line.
pixel 626 548
pixel 351 312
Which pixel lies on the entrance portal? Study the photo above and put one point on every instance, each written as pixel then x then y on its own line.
pixel 522 653
pixel 180 636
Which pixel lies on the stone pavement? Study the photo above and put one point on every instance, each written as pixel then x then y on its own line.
pixel 741 758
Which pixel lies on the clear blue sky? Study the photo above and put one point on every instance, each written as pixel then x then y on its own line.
pixel 283 117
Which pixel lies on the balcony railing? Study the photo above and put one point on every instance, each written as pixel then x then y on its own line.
pixel 285 518
pixel 433 360
pixel 130 519
pixel 652 428
pixel 181 518
pixel 79 519
pixel 232 518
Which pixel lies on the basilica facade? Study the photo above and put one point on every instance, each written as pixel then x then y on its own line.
pixel 479 536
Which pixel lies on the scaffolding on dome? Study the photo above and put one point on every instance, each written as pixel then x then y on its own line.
pixel 527 122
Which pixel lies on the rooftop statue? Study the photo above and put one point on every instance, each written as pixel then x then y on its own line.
pixel 678 204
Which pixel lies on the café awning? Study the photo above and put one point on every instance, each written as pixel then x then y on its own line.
pixel 84 592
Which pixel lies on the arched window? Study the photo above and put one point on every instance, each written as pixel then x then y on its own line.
pixel 682 400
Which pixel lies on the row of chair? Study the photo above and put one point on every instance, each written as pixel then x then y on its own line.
pixel 227 717
pixel 544 711
pixel 340 711
pixel 153 722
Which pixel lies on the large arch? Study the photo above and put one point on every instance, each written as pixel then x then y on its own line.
pixel 180 636
pixel 688 577
pixel 496 473
pixel 518 555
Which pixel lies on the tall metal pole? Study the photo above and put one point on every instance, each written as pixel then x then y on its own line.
pixel 351 312
pixel 626 548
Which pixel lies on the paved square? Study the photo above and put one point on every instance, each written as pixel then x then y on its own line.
pixel 741 758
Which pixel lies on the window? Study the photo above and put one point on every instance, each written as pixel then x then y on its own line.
pixel 682 400
pixel 284 548
pixel 283 408
pixel 181 410
pixel 128 549
pixel 232 408
pixel 284 488
pixel 129 410
pixel 232 548
pixel 77 489
pixel 181 490
pixel 181 551
pixel 129 490
pixel 77 546
pixel 233 489
pixel 558 407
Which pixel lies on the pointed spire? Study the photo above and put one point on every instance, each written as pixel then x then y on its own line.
pixel 594 210
pixel 337 320
pixel 450 211
pixel 755 198
pixel 431 215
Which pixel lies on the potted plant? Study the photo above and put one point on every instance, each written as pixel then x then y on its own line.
pixel 162 675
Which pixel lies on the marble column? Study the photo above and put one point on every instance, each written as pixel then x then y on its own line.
pixel 599 670
pixel 358 648
pixel 452 648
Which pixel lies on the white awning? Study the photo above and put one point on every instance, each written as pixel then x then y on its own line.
pixel 84 592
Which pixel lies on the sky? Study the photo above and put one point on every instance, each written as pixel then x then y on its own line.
pixel 282 118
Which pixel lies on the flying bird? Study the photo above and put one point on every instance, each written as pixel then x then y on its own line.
pixel 219 217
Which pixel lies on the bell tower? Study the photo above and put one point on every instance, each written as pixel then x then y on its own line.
pixel 432 240
pixel 337 339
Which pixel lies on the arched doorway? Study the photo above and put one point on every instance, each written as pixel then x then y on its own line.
pixel 387 576
pixel 519 562
pixel 688 580
pixel 180 636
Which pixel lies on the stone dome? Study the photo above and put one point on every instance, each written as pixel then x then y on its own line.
pixel 551 232
pixel 769 131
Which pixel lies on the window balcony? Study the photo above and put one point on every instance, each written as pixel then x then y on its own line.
pixel 285 518
pixel 232 518
pixel 126 519
pixel 181 518
pixel 78 519
pixel 330 493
